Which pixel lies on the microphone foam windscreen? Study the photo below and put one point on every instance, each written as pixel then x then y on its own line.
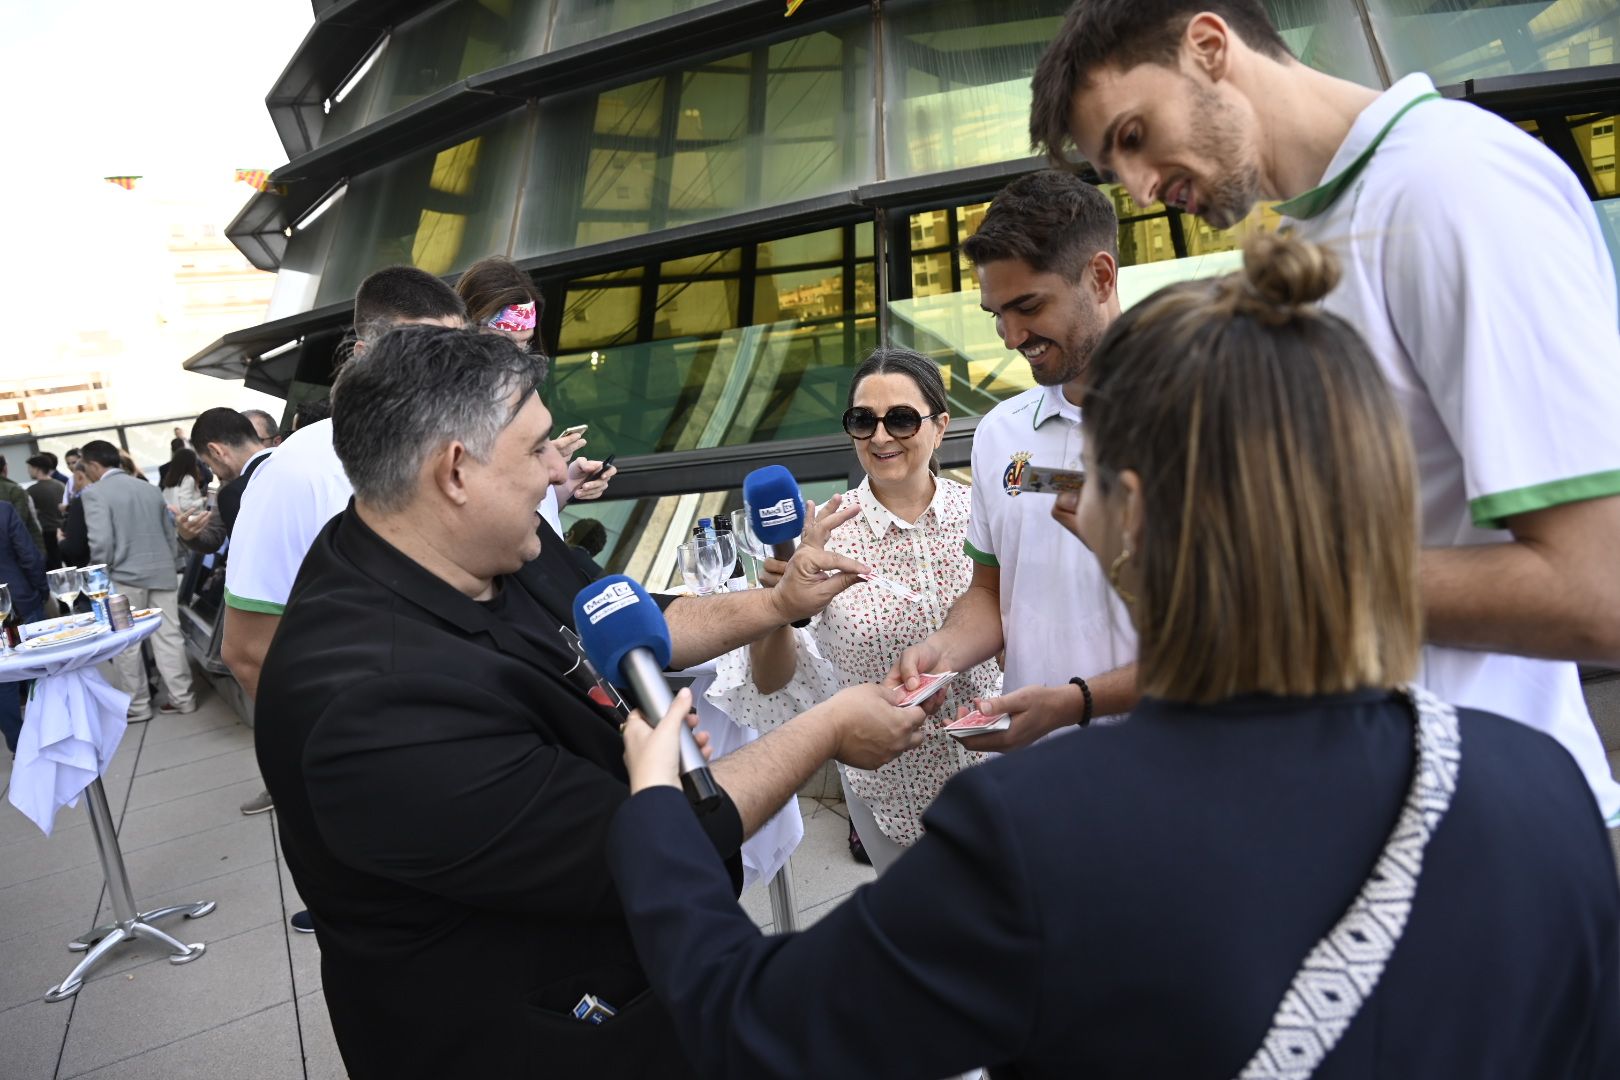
pixel 614 615
pixel 775 507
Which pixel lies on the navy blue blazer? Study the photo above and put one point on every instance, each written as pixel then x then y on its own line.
pixel 1133 901
pixel 22 565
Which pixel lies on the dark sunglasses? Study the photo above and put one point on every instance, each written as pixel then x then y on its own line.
pixel 901 422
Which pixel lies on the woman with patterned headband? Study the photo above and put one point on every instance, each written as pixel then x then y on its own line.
pixel 502 299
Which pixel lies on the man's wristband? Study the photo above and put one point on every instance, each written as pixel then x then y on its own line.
pixel 1085 692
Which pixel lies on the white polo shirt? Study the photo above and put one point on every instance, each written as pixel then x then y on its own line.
pixel 1059 616
pixel 1476 270
pixel 290 499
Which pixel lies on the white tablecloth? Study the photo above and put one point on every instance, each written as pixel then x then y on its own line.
pixel 75 720
pixel 766 851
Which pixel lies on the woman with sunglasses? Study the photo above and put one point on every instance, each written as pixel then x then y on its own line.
pixel 908 524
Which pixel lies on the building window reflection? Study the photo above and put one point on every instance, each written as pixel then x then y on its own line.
pixel 742 345
pixel 1456 40
pixel 776 124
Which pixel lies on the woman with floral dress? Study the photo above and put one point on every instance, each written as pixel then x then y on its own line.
pixel 908 524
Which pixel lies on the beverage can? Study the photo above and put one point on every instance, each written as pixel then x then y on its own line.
pixel 118 613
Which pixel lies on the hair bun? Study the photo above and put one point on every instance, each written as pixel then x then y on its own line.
pixel 1282 271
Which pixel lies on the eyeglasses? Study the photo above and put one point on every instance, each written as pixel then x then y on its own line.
pixel 901 422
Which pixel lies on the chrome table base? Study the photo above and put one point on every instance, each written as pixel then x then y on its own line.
pixel 129 924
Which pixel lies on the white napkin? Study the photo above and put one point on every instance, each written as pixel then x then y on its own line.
pixel 767 851
pixel 76 720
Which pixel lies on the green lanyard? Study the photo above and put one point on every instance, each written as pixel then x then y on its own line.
pixel 1315 201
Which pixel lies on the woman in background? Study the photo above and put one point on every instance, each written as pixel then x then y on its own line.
pixel 502 299
pixel 185 489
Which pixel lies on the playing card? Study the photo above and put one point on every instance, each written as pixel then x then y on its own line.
pixel 899 589
pixel 1049 481
pixel 932 684
pixel 977 723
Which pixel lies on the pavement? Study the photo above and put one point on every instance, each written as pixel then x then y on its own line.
pixel 250 1008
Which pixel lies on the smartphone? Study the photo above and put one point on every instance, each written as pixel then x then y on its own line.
pixel 577 429
pixel 607 463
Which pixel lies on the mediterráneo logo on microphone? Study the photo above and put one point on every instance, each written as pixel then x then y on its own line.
pixel 615 597
pixel 781 513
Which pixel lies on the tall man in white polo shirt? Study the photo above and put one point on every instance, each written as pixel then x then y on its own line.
pixel 1475 269
pixel 1047 257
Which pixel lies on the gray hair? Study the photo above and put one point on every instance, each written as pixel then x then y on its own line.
pixel 416 389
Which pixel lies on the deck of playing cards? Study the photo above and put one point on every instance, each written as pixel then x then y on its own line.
pixel 1049 481
pixel 931 685
pixel 977 723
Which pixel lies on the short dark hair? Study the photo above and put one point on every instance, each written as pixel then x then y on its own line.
pixel 224 426
pixel 74 452
pixel 42 462
pixel 49 457
pixel 415 389
pixel 1124 34
pixel 491 284
pixel 587 534
pixel 397 293
pixel 1051 219
pixel 103 453
pixel 308 412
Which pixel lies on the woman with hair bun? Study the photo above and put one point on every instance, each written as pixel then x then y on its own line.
pixel 1289 862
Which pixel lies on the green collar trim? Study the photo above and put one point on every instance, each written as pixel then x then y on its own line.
pixel 1319 198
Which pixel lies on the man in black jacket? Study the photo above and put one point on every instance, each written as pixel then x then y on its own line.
pixel 443 789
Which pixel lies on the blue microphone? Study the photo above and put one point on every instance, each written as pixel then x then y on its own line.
pixel 627 640
pixel 775 511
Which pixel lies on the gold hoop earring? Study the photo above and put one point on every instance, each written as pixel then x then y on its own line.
pixel 1113 577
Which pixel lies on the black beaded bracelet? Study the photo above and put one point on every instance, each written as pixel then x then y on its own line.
pixel 1085 712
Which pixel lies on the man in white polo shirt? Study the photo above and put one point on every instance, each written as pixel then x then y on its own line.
pixel 1475 269
pixel 1048 267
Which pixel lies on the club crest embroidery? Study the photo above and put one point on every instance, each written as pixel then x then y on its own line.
pixel 1012 481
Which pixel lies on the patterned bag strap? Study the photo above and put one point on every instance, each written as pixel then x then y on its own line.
pixel 1343 969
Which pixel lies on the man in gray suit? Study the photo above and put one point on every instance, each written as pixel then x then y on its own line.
pixel 131 531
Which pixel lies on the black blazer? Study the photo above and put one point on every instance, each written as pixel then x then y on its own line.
pixel 1133 901
pixel 443 795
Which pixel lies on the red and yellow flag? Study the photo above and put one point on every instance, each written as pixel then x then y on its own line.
pixel 257 179
pixel 125 182
pixel 792 6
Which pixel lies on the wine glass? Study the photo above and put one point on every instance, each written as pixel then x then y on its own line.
pixel 749 550
pixel 691 567
pixel 64 585
pixel 726 549
pixel 5 613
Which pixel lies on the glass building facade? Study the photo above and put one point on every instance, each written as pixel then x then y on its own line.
pixel 726 210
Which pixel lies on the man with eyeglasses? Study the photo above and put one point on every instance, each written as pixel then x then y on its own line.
pixel 1048 273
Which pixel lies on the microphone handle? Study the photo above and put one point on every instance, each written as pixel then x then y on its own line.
pixel 652 693
pixel 784 551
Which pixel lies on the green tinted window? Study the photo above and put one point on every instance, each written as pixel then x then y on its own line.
pixel 1454 40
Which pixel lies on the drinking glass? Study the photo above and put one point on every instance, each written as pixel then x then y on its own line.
pixel 692 568
pixel 96 585
pixel 726 548
pixel 749 550
pixel 5 613
pixel 64 585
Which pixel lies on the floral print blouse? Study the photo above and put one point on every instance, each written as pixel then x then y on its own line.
pixel 861 634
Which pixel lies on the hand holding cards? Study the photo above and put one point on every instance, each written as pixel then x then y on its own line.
pixel 931 685
pixel 904 592
pixel 977 723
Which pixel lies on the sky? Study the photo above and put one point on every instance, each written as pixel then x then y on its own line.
pixel 173 91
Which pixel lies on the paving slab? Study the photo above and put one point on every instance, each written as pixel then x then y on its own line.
pixel 159 1004
pixel 260 1046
